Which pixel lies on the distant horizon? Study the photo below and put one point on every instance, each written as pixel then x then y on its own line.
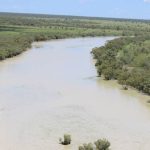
pixel 100 17
pixel 129 9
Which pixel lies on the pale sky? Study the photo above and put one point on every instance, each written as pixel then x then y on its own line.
pixel 139 9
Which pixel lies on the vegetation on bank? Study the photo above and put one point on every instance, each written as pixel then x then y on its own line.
pixel 18 31
pixel 101 144
pixel 126 59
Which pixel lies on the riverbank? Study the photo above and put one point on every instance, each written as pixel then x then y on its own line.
pixel 126 59
pixel 13 44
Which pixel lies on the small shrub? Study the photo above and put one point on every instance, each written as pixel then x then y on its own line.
pixel 66 141
pixel 88 146
pixel 102 144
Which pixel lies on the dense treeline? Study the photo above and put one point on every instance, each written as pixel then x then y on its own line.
pixel 126 59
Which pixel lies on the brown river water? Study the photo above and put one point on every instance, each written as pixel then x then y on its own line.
pixel 52 89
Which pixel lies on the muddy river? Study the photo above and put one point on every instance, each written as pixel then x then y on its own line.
pixel 52 89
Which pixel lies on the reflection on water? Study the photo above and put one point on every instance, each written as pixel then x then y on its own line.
pixel 53 89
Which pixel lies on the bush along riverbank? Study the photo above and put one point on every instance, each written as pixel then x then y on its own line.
pixel 14 43
pixel 126 59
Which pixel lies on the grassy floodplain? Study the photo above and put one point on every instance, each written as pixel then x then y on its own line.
pixel 126 59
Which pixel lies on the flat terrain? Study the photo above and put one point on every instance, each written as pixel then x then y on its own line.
pixel 18 31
